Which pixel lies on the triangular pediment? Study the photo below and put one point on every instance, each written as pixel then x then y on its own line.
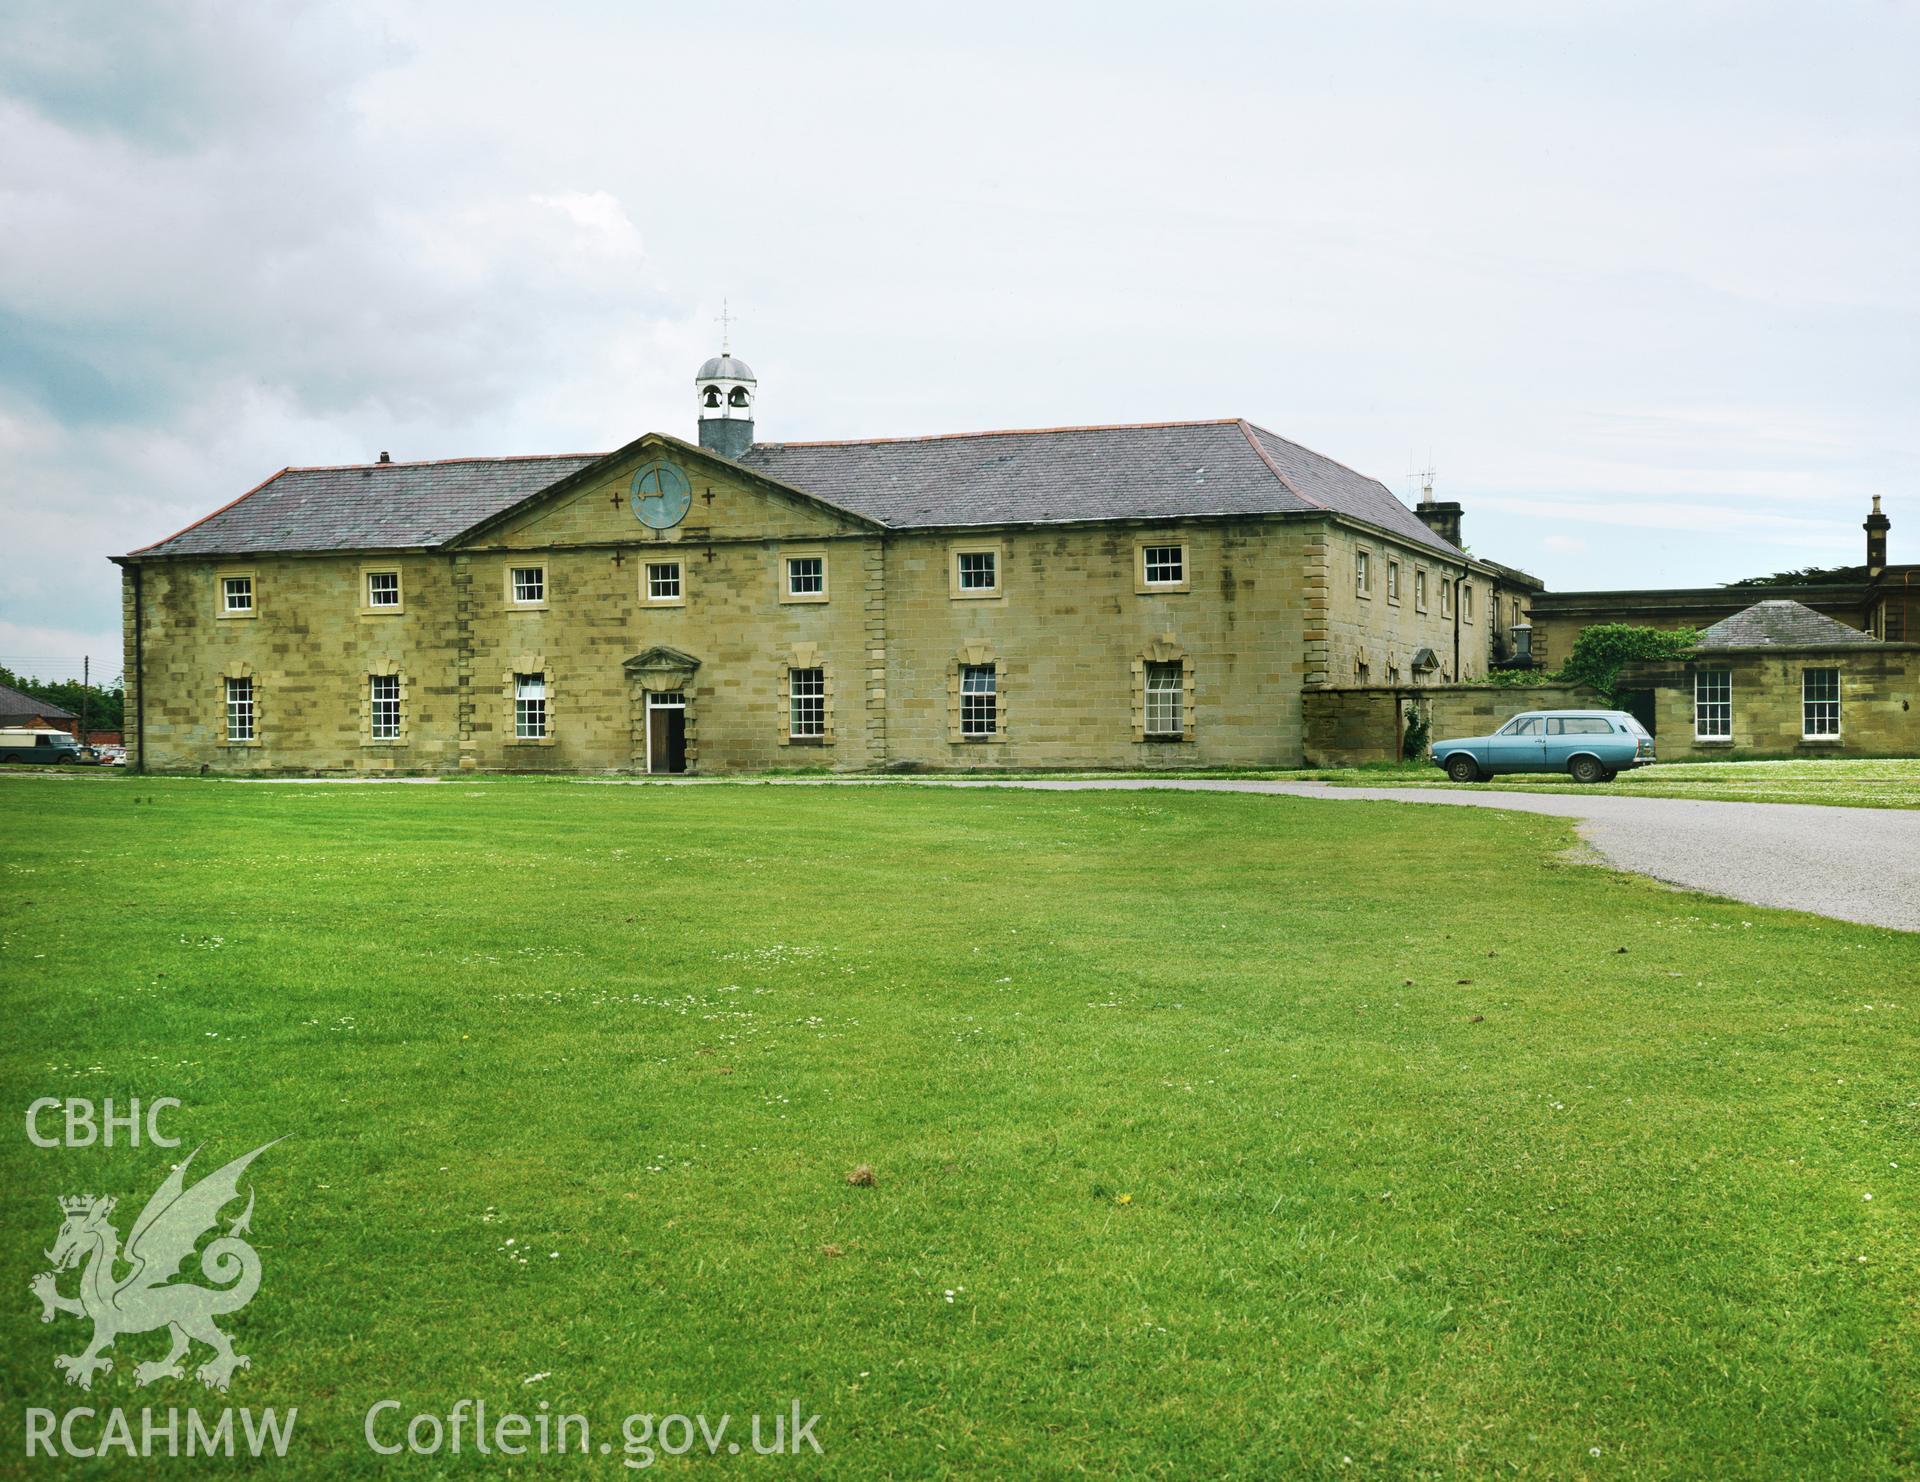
pixel 662 668
pixel 661 657
pixel 597 505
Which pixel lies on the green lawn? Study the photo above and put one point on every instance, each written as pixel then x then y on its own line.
pixel 1210 1133
pixel 1887 783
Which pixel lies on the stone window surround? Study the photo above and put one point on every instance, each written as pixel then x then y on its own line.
pixel 1145 588
pixel 804 656
pixel 1419 589
pixel 994 548
pixel 969 654
pixel 648 561
pixel 1465 599
pixel 252 610
pixel 376 568
pixel 1363 572
pixel 385 667
pixel 782 576
pixel 1163 650
pixel 528 664
pixel 239 670
pixel 514 604
pixel 1393 582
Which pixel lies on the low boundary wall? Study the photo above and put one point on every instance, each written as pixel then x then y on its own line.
pixel 1355 726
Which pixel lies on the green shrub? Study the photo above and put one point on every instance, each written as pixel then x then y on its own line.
pixel 1419 731
pixel 1601 650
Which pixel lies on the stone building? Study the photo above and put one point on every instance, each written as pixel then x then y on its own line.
pixel 1158 594
pixel 18 709
pixel 1779 679
pixel 1875 597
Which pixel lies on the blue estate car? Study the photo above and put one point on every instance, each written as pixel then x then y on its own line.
pixel 1591 745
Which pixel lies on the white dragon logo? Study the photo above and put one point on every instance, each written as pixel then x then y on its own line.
pixel 147 1298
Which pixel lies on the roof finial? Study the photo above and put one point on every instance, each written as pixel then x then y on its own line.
pixel 725 321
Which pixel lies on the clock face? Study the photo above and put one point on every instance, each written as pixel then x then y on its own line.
pixel 661 495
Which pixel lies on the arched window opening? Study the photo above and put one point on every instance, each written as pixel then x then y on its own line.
pixel 737 397
pixel 713 396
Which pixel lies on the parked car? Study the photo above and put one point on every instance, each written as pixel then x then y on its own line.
pixel 1589 745
pixel 42 746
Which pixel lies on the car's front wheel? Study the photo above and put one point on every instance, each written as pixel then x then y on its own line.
pixel 1463 769
pixel 1588 769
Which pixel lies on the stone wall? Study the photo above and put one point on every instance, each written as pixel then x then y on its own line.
pixel 309 650
pixel 731 619
pixel 1351 727
pixel 1878 714
pixel 1070 631
pixel 1363 635
pixel 1360 726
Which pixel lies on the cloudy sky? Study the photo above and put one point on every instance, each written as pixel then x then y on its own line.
pixel 1638 279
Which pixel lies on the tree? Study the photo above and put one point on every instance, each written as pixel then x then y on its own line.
pixel 1806 576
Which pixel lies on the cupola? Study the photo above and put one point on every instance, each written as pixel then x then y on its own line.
pixel 726 386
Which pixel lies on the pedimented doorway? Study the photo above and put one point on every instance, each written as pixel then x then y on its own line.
pixel 661 680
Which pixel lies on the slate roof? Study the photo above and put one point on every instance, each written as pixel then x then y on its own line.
pixel 1783 624
pixel 1047 475
pixel 14 704
pixel 368 506
pixel 1169 470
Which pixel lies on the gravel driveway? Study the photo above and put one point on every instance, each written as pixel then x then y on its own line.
pixel 1856 864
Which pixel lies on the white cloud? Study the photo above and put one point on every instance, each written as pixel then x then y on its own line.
pixel 1607 289
pixel 264 280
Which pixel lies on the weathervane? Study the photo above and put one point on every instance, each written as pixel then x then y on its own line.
pixel 725 321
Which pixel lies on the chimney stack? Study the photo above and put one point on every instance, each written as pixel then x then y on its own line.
pixel 1442 517
pixel 386 457
pixel 1877 525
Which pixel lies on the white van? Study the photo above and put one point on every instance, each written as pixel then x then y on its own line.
pixel 39 744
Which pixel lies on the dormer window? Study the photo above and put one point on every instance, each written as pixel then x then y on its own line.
pixel 737 397
pixel 711 396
